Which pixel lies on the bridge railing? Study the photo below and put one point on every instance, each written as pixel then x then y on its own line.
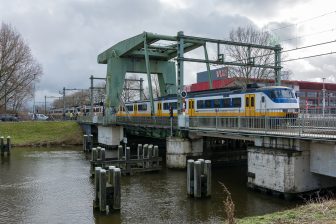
pixel 301 126
pixel 147 121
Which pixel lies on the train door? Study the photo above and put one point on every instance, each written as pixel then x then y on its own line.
pixel 135 109
pixel 250 105
pixel 191 107
pixel 159 109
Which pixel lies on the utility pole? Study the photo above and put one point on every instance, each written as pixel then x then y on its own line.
pixel 63 101
pixel 63 93
pixel 91 95
pixel 45 102
pixel 141 89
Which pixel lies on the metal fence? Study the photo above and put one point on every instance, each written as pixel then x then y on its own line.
pixel 147 121
pixel 303 126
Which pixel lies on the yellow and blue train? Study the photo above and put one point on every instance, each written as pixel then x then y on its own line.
pixel 275 101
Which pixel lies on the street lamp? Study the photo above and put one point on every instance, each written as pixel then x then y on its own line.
pixel 323 99
pixel 34 96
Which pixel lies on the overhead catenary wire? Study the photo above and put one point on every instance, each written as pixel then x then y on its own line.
pixel 304 21
pixel 310 56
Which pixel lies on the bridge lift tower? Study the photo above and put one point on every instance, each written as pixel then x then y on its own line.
pixel 154 54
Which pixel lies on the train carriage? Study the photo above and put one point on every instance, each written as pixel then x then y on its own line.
pixel 277 101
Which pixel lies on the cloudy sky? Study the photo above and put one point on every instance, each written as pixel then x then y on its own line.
pixel 66 36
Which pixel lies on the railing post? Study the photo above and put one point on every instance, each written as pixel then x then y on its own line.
pixel 216 120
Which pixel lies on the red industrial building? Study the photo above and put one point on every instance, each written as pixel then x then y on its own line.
pixel 310 93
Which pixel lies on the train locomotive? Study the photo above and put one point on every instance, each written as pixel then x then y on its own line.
pixel 274 101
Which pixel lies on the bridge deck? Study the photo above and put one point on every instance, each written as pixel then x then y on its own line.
pixel 314 128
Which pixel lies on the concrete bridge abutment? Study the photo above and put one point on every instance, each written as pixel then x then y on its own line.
pixel 178 149
pixel 110 135
pixel 284 165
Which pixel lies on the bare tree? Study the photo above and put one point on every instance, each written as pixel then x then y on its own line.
pixel 241 54
pixel 18 68
pixel 74 99
pixel 156 86
pixel 19 98
pixel 131 89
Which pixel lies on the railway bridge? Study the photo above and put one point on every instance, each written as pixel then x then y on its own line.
pixel 288 155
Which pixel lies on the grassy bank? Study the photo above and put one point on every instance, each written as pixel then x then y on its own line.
pixel 28 133
pixel 322 212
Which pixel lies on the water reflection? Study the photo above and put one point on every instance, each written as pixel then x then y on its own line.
pixel 53 185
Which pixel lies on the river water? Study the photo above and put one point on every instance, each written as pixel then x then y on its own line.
pixel 53 185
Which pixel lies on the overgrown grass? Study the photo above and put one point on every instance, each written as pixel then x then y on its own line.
pixel 27 133
pixel 323 211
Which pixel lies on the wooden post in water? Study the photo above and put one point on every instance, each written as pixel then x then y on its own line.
pixel 202 166
pixel 156 155
pixel 102 154
pixel 127 159
pixel 150 155
pixel 156 151
pixel 116 186
pixel 90 142
pixel 120 152
pixel 197 179
pixel 190 177
pixel 111 174
pixel 99 153
pixel 144 154
pixel 84 142
pixel 139 151
pixel 102 190
pixel 207 173
pixel 9 146
pixel 94 154
pixel 97 176
pixel 2 146
pixel 120 155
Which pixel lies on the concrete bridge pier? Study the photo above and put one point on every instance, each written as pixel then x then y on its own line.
pixel 285 165
pixel 110 135
pixel 178 149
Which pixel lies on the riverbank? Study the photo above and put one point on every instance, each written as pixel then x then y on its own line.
pixel 42 133
pixel 321 212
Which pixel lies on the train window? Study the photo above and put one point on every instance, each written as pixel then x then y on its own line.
pixel 252 101
pixel 286 93
pixel 166 106
pixel 263 99
pixel 217 103
pixel 236 102
pixel 142 107
pixel 247 101
pixel 226 103
pixel 282 93
pixel 208 104
pixel 200 104
pixel 129 107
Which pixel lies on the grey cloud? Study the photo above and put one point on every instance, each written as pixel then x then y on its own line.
pixel 66 36
pixel 285 32
pixel 258 8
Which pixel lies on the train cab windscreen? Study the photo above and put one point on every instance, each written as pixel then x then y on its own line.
pixel 281 93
